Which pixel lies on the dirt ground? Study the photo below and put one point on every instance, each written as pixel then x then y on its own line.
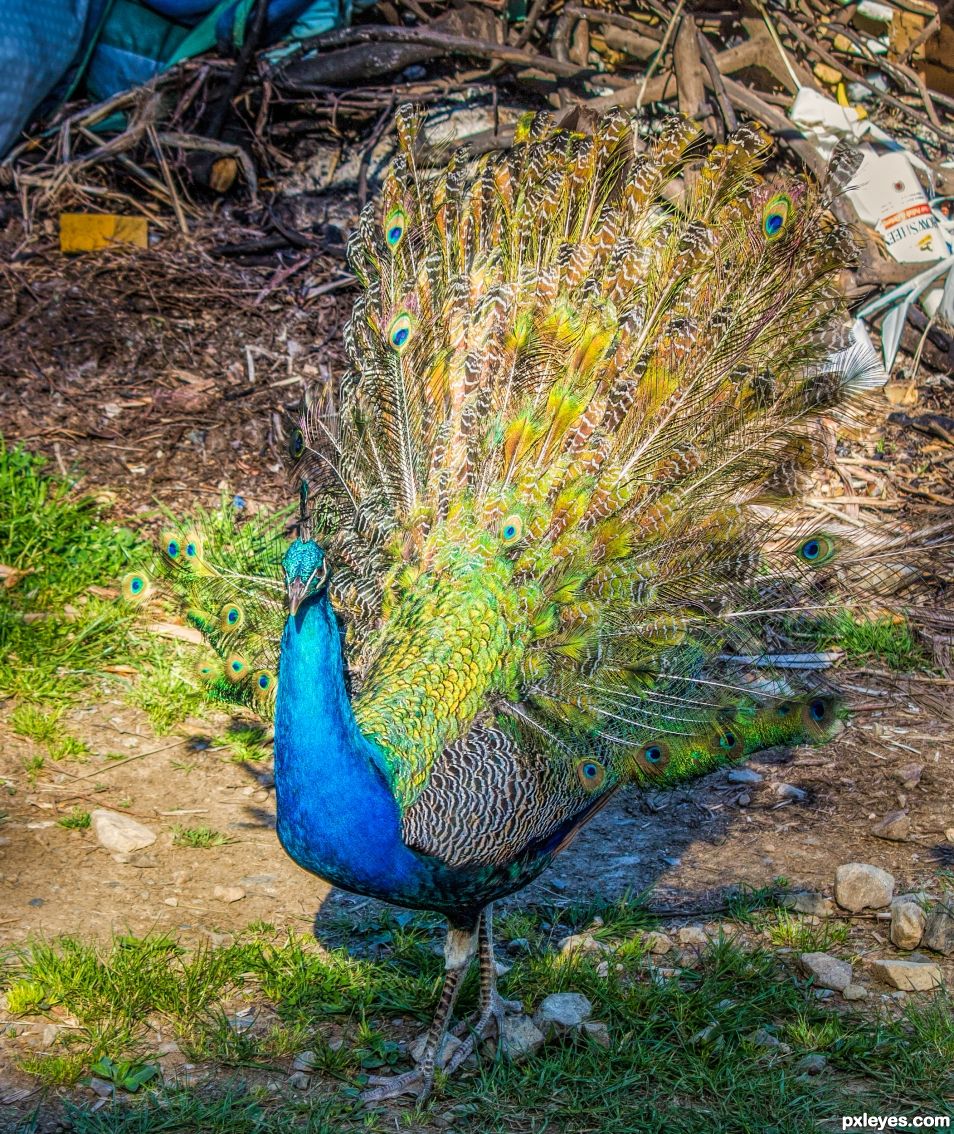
pixel 162 377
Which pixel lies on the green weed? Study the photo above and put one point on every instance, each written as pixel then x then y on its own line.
pixel 863 639
pixel 77 820
pixel 793 932
pixel 198 837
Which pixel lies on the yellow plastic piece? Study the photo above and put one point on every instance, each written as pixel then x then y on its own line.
pixel 91 232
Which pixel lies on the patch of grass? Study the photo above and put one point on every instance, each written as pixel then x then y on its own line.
pixel 793 932
pixel 68 748
pixel 863 639
pixel 198 837
pixel 55 634
pixel 55 1069
pixel 77 820
pixel 166 692
pixel 36 722
pixel 247 743
pixel 682 1057
pixel 33 765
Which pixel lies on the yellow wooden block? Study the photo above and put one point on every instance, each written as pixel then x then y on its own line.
pixel 89 232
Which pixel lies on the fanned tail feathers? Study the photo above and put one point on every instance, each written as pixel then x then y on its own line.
pixel 549 488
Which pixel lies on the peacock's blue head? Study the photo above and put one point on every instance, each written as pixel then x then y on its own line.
pixel 306 572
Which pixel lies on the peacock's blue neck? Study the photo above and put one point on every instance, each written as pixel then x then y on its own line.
pixel 336 813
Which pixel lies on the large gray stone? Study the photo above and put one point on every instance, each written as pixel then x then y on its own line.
pixel 120 833
pixel 561 1013
pixel 808 902
pixel 826 971
pixel 520 1038
pixel 909 976
pixel 939 929
pixel 907 924
pixel 861 886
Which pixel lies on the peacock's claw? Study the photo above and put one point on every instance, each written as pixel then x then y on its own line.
pixel 416 1083
pixel 489 1023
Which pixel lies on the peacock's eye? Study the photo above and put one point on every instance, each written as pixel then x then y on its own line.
pixel 815 550
pixel 775 215
pixel 399 332
pixel 395 226
pixel 171 546
pixel 236 668
pixel 263 683
pixel 135 586
pixel 783 709
pixel 590 774
pixel 653 757
pixel 192 548
pixel 296 444
pixel 819 710
pixel 727 740
pixel 231 617
pixel 511 529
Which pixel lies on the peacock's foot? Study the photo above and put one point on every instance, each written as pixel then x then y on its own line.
pixel 417 1083
pixel 489 1022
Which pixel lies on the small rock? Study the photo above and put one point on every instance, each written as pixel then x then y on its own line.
pixel 895 826
pixel 597 1031
pixel 909 976
pixel 809 903
pixel 101 1087
pixel 304 1061
pixel 744 799
pixel 501 969
pixel 602 969
pixel 228 894
pixel 949 834
pixel 790 791
pixel 705 1035
pixel 139 860
pixel 170 902
pixel 827 971
pixel 50 1032
pixel 119 832
pixel 299 1080
pixel 692 935
pixel 657 943
pixel 448 1047
pixel 561 1013
pixel 909 775
pixel 582 943
pixel 170 1047
pixel 519 945
pixel 521 1038
pixel 860 886
pixel 939 929
pixel 764 1038
pixel 744 776
pixel 907 924
pixel 811 1064
pixel 855 992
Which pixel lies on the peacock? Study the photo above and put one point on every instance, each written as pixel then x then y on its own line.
pixel 537 545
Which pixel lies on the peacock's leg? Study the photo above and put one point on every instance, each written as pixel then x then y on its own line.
pixel 493 1007
pixel 459 949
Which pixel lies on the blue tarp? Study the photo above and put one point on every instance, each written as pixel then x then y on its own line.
pixel 49 48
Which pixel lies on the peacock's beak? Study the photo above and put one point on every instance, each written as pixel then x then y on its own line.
pixel 297 588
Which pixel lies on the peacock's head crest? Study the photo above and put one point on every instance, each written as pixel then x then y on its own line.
pixel 306 572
